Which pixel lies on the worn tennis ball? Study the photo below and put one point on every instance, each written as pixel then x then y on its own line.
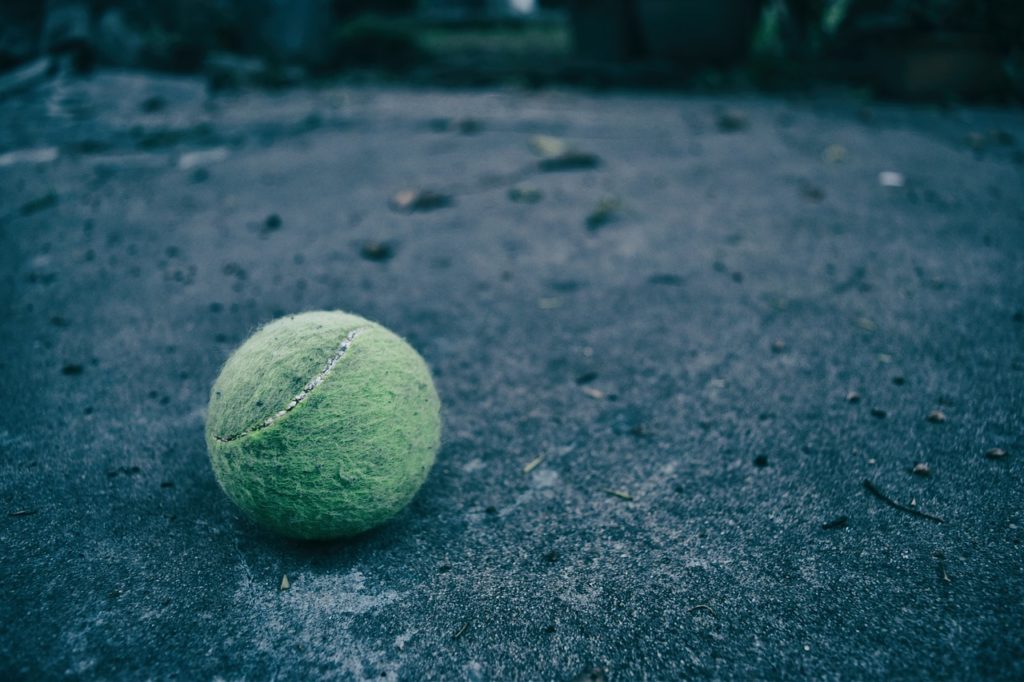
pixel 323 425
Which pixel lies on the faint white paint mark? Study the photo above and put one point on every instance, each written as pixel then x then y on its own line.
pixel 404 638
pixel 545 478
pixel 318 613
pixel 37 155
pixel 472 465
pixel 891 179
pixel 204 157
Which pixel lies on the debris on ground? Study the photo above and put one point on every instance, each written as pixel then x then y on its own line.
pixel 557 155
pixel 533 464
pixel 571 160
pixel 606 211
pixel 732 121
pixel 877 492
pixel 412 200
pixel 836 523
pixel 525 194
pixel 891 179
pixel 377 251
pixel 548 146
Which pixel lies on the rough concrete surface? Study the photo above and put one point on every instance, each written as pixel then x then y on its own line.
pixel 646 413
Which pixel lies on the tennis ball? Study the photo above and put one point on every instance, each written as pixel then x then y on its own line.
pixel 323 425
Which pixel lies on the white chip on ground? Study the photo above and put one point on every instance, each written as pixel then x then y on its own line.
pixel 891 179
pixel 205 157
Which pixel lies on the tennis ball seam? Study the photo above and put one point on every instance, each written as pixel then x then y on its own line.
pixel 343 347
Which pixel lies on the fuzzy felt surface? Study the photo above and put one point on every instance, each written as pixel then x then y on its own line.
pixel 323 425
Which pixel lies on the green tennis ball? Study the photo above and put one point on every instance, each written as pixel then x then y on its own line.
pixel 323 425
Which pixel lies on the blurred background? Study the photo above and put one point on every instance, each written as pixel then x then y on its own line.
pixel 936 49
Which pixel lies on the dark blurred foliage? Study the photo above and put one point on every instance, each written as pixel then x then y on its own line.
pixel 795 40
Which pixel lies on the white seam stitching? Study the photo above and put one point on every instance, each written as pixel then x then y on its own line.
pixel 301 395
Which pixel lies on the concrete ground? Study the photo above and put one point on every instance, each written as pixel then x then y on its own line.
pixel 651 466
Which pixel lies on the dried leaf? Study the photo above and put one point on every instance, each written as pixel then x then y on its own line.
pixel 548 146
pixel 571 160
pixel 412 200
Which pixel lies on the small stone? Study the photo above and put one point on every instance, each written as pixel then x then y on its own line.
pixel 996 453
pixel 778 345
pixel 921 469
pixel 606 211
pixel 936 417
pixel 412 200
pixel 594 393
pixel 285 585
pixel 867 324
pixel 853 397
pixel 732 120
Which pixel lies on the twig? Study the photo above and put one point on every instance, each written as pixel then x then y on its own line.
pixel 702 606
pixel 621 494
pixel 874 490
pixel 23 512
pixel 533 464
pixel 462 630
